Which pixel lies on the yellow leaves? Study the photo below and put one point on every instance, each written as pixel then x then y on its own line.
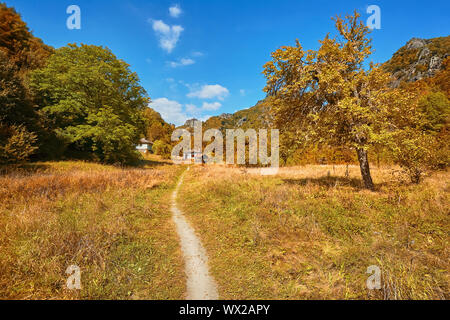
pixel 328 89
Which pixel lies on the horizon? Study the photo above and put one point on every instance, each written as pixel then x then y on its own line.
pixel 189 76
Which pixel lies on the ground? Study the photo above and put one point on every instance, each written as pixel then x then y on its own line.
pixel 312 233
pixel 114 223
pixel 307 233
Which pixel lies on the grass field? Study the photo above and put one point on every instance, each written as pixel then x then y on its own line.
pixel 311 232
pixel 307 233
pixel 114 223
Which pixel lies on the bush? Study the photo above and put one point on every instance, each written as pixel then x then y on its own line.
pixel 416 152
pixel 16 144
pixel 163 149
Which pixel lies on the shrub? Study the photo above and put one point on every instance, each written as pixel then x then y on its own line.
pixel 163 149
pixel 16 144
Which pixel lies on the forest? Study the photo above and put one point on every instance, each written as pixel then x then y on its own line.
pixel 331 105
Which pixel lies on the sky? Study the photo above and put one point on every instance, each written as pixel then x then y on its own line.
pixel 201 58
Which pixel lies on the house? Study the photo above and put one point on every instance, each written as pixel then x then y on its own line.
pixel 144 146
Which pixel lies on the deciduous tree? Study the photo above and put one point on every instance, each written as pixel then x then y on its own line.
pixel 330 93
pixel 93 101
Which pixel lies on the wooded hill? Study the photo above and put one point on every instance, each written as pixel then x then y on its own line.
pixel 419 59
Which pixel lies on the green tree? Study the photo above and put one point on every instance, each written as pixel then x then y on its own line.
pixel 92 101
pixel 162 148
pixel 435 108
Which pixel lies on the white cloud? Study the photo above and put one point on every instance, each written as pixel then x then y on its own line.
pixel 171 111
pixel 175 11
pixel 197 54
pixel 192 109
pixel 242 92
pixel 168 35
pixel 210 92
pixel 211 106
pixel 182 62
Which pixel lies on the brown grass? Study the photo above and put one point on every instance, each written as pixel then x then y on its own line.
pixel 311 232
pixel 114 223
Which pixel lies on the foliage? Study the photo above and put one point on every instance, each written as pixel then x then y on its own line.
pixel 436 110
pixel 413 150
pixel 15 104
pixel 417 134
pixel 156 127
pixel 16 144
pixel 20 46
pixel 405 56
pixel 328 94
pixel 93 101
pixel 20 52
pixel 162 148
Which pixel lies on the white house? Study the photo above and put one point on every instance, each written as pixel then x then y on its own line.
pixel 144 146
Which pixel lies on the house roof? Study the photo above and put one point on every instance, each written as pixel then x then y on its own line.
pixel 145 141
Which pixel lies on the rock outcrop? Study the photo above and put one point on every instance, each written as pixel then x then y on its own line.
pixel 418 59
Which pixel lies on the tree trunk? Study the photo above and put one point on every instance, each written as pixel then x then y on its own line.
pixel 365 168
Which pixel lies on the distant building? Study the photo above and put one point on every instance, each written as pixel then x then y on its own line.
pixel 144 146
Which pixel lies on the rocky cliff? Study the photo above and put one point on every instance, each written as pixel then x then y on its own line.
pixel 418 59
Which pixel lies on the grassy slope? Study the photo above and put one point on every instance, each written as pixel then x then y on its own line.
pixel 113 223
pixel 304 235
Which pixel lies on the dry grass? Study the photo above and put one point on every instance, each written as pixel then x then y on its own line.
pixel 114 223
pixel 311 232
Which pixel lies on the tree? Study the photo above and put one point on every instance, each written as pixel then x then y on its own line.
pixel 20 52
pixel 162 148
pixel 18 43
pixel 18 117
pixel 328 94
pixel 435 108
pixel 418 136
pixel 156 127
pixel 19 144
pixel 92 101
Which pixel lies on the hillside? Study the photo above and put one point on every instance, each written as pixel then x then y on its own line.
pixel 418 59
pixel 254 117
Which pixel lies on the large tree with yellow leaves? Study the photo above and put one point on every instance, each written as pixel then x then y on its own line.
pixel 330 94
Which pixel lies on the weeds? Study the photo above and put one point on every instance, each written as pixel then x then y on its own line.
pixel 113 223
pixel 308 234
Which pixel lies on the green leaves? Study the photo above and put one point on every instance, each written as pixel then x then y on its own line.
pixel 94 100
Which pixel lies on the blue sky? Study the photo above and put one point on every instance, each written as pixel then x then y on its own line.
pixel 199 58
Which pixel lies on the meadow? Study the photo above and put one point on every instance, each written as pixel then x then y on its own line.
pixel 312 232
pixel 309 232
pixel 112 222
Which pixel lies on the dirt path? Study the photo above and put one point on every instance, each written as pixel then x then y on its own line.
pixel 200 284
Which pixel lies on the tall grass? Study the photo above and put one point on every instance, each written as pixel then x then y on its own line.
pixel 311 232
pixel 114 223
